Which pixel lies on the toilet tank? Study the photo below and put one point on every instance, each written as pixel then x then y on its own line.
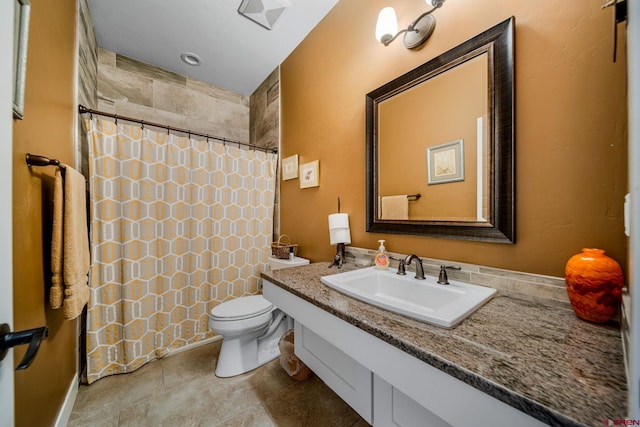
pixel 277 264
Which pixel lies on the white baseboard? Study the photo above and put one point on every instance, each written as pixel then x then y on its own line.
pixel 195 345
pixel 67 406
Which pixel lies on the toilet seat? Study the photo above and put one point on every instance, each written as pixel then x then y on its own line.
pixel 241 308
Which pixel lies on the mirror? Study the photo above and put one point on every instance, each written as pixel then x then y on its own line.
pixel 440 144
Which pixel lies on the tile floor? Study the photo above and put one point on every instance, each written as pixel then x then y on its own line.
pixel 182 390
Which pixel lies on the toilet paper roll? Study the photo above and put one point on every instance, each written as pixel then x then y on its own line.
pixel 340 235
pixel 338 220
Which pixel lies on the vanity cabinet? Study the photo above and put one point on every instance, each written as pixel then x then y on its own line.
pixel 385 385
pixel 394 408
pixel 346 377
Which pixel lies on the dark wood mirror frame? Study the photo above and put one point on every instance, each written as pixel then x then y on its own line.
pixel 499 42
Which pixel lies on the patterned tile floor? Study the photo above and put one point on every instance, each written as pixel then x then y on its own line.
pixel 182 390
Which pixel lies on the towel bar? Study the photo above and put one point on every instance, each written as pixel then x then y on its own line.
pixel 414 197
pixel 35 160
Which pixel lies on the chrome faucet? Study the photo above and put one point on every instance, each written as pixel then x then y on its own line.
pixel 419 269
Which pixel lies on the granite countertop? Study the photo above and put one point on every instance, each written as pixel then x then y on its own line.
pixel 541 360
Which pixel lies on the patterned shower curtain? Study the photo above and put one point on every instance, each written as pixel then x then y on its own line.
pixel 178 225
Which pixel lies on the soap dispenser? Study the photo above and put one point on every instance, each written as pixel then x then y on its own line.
pixel 381 259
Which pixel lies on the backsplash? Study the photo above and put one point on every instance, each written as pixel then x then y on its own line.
pixel 533 287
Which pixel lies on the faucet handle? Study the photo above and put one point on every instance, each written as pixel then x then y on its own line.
pixel 401 266
pixel 442 277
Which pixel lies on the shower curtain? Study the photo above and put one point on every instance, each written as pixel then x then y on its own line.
pixel 178 225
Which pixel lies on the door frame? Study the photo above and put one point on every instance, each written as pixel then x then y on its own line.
pixel 7 415
pixel 633 71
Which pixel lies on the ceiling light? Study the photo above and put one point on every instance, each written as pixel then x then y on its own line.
pixel 191 58
pixel 263 12
pixel 415 35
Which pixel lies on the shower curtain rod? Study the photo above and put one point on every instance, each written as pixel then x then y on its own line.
pixel 84 110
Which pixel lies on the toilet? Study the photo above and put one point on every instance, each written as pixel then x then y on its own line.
pixel 250 327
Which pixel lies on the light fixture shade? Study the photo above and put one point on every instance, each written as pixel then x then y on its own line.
pixel 387 25
pixel 434 3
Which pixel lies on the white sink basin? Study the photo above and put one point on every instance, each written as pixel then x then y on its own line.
pixel 425 300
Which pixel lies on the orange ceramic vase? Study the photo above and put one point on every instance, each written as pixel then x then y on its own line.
pixel 594 284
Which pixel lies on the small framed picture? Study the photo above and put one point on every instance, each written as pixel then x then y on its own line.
pixel 22 10
pixel 445 162
pixel 290 167
pixel 309 174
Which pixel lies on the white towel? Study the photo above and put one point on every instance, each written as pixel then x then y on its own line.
pixel 70 244
pixel 394 207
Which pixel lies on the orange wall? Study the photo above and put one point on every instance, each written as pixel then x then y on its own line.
pixel 570 127
pixel 47 129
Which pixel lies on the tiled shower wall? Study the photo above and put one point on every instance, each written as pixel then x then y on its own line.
pixel 87 58
pixel 265 112
pixel 131 88
pixel 87 78
pixel 265 126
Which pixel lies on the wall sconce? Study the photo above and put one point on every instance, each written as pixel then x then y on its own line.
pixel 416 33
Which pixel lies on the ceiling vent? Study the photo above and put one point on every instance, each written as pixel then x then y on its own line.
pixel 263 12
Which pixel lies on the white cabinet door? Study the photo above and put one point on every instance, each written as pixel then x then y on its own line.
pixel 393 408
pixel 346 377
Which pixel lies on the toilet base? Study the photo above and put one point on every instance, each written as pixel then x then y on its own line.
pixel 242 354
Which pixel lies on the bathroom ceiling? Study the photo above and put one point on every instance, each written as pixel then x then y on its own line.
pixel 237 54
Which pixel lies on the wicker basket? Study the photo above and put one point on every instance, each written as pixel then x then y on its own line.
pixel 289 361
pixel 281 250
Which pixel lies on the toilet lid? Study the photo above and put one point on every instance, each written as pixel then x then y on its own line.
pixel 242 308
